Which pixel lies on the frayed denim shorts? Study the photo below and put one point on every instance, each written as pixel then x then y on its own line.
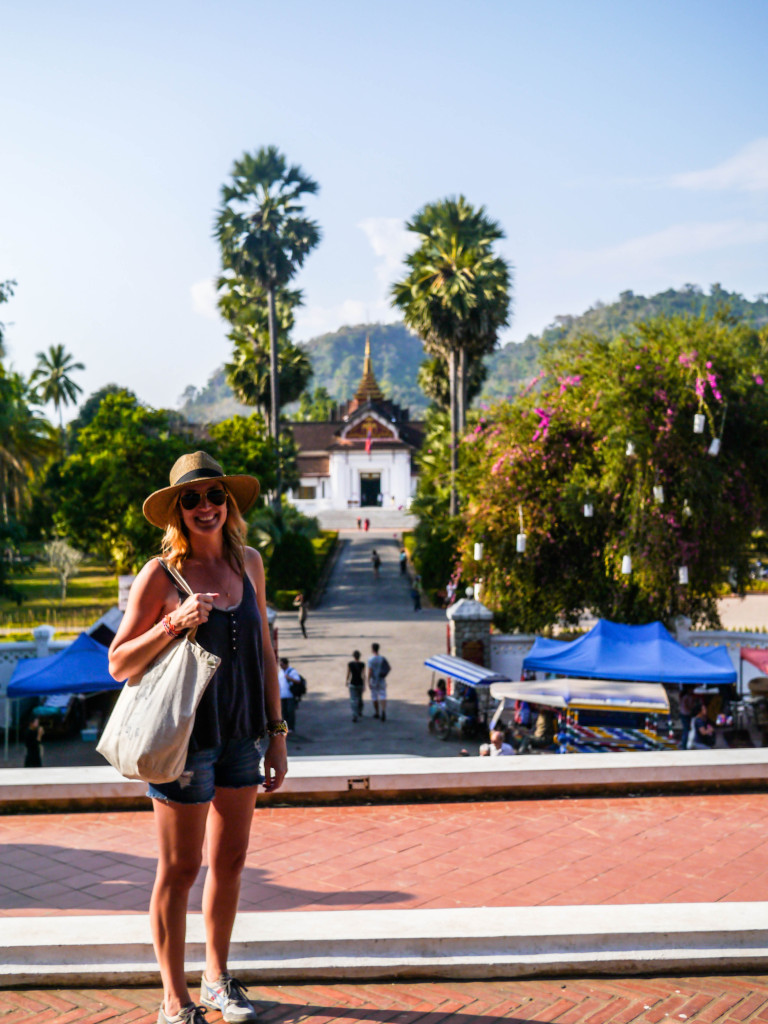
pixel 234 764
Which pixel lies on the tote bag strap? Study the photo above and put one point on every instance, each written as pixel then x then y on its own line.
pixel 183 585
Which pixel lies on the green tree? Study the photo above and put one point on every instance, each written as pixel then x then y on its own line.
pixel 317 406
pixel 6 294
pixel 242 445
pixel 27 440
pixel 455 296
pixel 124 454
pixel 248 374
pixel 433 381
pixel 265 237
pixel 65 560
pixel 611 425
pixel 52 377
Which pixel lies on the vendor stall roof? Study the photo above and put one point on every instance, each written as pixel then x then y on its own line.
pixel 757 656
pixel 637 653
pixel 464 671
pixel 83 667
pixel 587 694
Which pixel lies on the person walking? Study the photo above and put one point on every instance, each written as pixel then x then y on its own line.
pixel 376 563
pixel 378 670
pixel 33 741
pixel 356 684
pixel 300 603
pixel 285 676
pixel 403 557
pixel 213 800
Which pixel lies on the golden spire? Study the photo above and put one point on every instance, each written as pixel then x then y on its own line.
pixel 368 389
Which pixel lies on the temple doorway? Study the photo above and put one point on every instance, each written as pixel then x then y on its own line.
pixel 370 489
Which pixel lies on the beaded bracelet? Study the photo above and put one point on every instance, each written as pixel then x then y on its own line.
pixel 170 629
pixel 279 727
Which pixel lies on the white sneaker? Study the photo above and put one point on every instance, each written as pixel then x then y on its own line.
pixel 227 995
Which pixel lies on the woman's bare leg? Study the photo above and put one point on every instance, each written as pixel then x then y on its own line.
pixel 180 831
pixel 227 835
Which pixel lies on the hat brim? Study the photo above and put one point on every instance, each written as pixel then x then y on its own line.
pixel 243 489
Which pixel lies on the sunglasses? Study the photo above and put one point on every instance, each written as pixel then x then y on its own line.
pixel 190 500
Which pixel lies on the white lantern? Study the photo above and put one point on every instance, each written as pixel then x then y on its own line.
pixel 478 551
pixel 658 494
pixel 699 420
pixel 520 546
pixel 589 510
pixel 469 592
pixel 687 510
pixel 626 565
pixel 630 447
pixel 714 447
pixel 682 575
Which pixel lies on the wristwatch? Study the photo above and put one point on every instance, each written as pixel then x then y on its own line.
pixel 279 727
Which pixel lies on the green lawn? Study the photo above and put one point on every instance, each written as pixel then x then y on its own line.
pixel 89 595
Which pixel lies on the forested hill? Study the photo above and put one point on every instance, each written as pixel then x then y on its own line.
pixel 337 358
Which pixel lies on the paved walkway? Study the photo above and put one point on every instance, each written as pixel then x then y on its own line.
pixel 713 1000
pixel 666 849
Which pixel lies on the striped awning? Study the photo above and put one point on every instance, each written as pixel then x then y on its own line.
pixel 464 671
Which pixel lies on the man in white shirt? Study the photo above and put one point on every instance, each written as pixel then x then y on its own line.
pixel 286 675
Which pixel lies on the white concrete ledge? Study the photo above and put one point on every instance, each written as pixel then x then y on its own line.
pixel 480 942
pixel 340 779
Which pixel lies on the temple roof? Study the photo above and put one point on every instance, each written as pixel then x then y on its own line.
pixel 368 389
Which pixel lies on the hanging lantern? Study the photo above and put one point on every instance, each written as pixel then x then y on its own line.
pixel 478 551
pixel 469 592
pixel 682 575
pixel 589 510
pixel 630 447
pixel 699 420
pixel 626 565
pixel 520 545
pixel 658 494
pixel 714 447
pixel 477 589
pixel 687 511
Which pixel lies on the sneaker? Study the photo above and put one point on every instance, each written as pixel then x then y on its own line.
pixel 228 996
pixel 189 1014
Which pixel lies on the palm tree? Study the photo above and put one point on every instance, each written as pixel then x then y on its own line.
pixel 455 296
pixel 52 377
pixel 248 373
pixel 27 439
pixel 265 237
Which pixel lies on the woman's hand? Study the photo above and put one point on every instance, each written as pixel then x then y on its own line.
pixel 275 763
pixel 194 611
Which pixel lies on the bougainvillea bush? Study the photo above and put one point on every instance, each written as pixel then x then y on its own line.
pixel 610 424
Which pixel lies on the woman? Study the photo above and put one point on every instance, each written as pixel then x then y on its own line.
pixel 33 741
pixel 214 798
pixel 300 603
pixel 356 684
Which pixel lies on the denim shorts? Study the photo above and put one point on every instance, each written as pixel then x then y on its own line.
pixel 234 764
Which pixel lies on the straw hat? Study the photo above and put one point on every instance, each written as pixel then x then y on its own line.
pixel 188 470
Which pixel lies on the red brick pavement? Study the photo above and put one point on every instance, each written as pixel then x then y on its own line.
pixel 486 853
pixel 713 1000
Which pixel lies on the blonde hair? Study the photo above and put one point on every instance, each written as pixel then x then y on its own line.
pixel 176 547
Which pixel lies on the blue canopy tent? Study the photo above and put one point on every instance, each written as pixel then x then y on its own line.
pixel 633 653
pixel 83 667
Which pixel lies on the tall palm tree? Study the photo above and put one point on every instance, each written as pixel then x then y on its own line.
pixel 455 296
pixel 265 237
pixel 53 380
pixel 27 439
pixel 249 377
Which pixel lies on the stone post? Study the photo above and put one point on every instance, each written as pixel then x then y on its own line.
pixel 43 636
pixel 470 630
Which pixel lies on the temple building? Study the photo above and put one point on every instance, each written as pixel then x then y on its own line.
pixel 362 456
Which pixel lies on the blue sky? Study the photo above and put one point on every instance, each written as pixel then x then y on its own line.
pixel 621 146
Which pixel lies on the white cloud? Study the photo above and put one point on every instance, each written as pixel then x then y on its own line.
pixel 390 242
pixel 675 241
pixel 747 171
pixel 203 295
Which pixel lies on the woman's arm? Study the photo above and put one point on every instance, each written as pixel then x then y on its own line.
pixel 276 757
pixel 141 636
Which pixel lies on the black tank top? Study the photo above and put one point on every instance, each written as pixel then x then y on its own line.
pixel 232 707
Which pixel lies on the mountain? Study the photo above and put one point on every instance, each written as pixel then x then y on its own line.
pixel 337 358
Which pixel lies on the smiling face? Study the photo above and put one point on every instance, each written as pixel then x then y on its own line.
pixel 206 517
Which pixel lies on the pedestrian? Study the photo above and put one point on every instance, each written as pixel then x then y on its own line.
pixel 376 563
pixel 403 561
pixel 359 523
pixel 300 602
pixel 356 684
pixel 212 802
pixel 378 670
pixel 33 738
pixel 366 525
pixel 285 677
pixel 416 596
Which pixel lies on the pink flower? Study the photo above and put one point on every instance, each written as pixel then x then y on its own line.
pixel 758 379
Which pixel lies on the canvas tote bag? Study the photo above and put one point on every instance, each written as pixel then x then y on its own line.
pixel 147 735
